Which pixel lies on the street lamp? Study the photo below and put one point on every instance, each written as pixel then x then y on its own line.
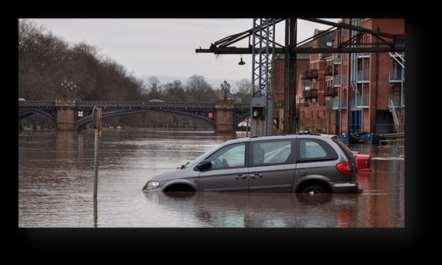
pixel 241 62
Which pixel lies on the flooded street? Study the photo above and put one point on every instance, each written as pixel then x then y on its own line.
pixel 56 185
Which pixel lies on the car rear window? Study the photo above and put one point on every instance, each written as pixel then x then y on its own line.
pixel 309 149
pixel 344 148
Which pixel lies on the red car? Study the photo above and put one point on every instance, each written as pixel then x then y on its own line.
pixel 362 161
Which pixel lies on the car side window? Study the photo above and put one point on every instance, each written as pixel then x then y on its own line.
pixel 271 152
pixel 230 156
pixel 314 150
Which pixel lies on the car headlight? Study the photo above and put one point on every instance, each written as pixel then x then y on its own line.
pixel 153 185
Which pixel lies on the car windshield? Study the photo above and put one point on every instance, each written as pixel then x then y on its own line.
pixel 192 162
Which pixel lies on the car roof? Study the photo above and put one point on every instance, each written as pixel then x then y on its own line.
pixel 279 137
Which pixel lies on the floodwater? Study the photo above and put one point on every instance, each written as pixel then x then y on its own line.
pixel 56 185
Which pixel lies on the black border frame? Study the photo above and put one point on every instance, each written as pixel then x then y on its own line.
pixel 398 243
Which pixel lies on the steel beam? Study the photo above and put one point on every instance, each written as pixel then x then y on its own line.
pixel 306 50
pixel 351 27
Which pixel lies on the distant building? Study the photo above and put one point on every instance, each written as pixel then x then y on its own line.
pixel 376 79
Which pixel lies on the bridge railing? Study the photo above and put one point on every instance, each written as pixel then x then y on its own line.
pixel 140 104
pixel 37 103
pixel 128 104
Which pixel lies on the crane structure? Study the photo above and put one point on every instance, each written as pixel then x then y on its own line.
pixel 261 107
pixel 262 46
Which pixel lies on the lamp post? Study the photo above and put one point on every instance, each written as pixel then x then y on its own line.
pixel 98 117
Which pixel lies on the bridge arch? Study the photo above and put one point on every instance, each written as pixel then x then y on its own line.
pixel 35 111
pixel 116 113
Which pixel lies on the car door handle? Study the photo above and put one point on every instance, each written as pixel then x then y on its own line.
pixel 256 175
pixel 244 176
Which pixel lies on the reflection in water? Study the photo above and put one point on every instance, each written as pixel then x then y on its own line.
pixel 223 209
pixel 56 174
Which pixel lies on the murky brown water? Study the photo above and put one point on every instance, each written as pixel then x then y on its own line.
pixel 56 182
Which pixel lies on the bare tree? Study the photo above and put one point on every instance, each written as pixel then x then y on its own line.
pixel 199 90
pixel 153 85
pixel 244 90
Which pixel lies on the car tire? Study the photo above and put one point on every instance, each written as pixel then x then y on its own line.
pixel 314 189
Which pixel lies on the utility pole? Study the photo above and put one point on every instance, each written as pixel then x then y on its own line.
pixel 97 114
pixel 290 79
pixel 349 89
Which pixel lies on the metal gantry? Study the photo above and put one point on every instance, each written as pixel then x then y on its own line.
pixel 262 42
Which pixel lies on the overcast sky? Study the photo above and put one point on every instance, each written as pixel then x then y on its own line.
pixel 166 47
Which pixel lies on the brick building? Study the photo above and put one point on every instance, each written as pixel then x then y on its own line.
pixel 277 86
pixel 376 81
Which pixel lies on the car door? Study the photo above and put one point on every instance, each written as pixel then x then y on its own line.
pixel 228 171
pixel 271 166
pixel 315 157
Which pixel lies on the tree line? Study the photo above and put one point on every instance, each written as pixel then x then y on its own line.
pixel 50 68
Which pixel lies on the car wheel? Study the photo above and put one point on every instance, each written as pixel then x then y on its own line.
pixel 313 189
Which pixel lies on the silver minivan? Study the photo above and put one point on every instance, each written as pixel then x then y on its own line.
pixel 290 163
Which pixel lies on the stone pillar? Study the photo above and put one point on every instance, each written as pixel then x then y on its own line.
pixel 65 115
pixel 224 120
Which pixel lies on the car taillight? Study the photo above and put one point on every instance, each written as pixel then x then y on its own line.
pixel 345 168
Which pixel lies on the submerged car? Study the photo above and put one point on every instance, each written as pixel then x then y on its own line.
pixel 290 163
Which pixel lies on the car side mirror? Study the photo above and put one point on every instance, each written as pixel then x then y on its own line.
pixel 204 165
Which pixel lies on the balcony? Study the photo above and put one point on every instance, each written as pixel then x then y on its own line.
pixel 396 101
pixel 396 76
pixel 337 81
pixel 310 74
pixel 363 55
pixel 360 98
pixel 311 93
pixel 361 76
pixel 330 70
pixel 337 59
pixel 332 104
pixel 331 91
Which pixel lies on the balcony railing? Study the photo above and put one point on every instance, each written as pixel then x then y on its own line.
pixel 330 70
pixel 396 101
pixel 310 74
pixel 396 76
pixel 360 98
pixel 361 76
pixel 336 80
pixel 363 55
pixel 332 104
pixel 312 93
pixel 337 59
pixel 331 91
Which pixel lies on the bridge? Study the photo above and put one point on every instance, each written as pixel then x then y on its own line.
pixel 223 117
